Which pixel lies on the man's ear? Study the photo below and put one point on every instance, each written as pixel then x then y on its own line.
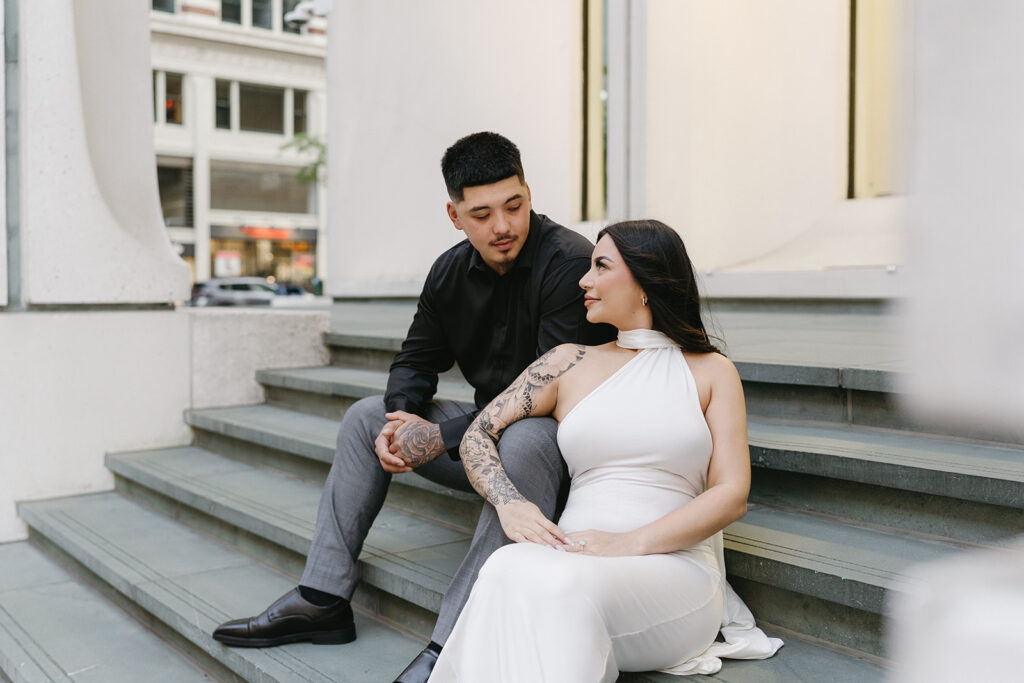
pixel 453 215
pixel 528 195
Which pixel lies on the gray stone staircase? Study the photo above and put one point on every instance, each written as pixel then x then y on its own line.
pixel 847 493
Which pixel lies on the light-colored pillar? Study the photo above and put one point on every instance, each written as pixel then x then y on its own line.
pixel 204 97
pixel 967 256
pixel 93 232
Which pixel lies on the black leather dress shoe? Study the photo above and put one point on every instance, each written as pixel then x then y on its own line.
pixel 419 669
pixel 291 619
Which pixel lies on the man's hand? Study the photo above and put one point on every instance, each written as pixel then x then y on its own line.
pixel 389 462
pixel 416 441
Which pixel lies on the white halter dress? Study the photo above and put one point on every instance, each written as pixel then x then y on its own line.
pixel 637 448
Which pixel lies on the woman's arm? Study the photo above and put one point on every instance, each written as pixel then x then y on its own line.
pixel 533 393
pixel 725 499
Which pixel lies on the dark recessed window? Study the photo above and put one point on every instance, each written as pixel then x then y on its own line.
pixel 223 104
pixel 154 97
pixel 231 11
pixel 175 183
pixel 163 5
pixel 261 108
pixel 172 97
pixel 286 7
pixel 300 114
pixel 262 15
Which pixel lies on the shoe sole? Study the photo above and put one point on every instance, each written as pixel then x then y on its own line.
pixel 339 637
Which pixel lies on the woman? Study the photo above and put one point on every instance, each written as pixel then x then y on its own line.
pixel 653 429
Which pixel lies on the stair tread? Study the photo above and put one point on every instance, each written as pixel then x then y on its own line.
pixel 297 433
pixel 225 488
pixel 892 447
pixel 829 546
pixel 869 447
pixel 193 584
pixel 54 628
pixel 402 547
pixel 406 549
pixel 354 382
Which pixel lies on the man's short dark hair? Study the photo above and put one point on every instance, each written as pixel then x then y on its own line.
pixel 479 159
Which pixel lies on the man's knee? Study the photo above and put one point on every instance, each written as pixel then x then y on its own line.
pixel 529 446
pixel 362 421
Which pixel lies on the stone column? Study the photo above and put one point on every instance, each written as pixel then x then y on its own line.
pixel 91 229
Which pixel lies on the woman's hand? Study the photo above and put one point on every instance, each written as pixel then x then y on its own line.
pixel 523 522
pixel 593 542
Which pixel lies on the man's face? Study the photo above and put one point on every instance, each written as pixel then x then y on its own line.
pixel 496 219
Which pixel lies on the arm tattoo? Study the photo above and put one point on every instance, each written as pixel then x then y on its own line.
pixel 420 442
pixel 479 446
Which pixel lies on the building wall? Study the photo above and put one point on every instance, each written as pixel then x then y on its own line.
pixel 406 81
pixel 746 122
pixel 739 114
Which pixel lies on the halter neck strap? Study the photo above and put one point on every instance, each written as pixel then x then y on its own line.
pixel 644 339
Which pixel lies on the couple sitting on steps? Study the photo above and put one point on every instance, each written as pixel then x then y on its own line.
pixel 634 441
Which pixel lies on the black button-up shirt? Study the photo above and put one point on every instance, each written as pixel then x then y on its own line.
pixel 493 325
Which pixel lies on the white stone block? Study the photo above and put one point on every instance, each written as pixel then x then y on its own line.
pixel 229 346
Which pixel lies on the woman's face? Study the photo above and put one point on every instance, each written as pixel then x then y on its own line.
pixel 612 295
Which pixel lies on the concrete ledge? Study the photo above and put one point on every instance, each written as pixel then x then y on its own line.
pixel 230 345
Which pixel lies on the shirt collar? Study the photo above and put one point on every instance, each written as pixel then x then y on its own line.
pixel 525 259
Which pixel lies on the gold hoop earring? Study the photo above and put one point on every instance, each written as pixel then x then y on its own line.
pixel 644 299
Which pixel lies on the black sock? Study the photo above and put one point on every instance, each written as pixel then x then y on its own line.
pixel 434 647
pixel 318 598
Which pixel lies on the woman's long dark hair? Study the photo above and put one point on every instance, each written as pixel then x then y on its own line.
pixel 655 254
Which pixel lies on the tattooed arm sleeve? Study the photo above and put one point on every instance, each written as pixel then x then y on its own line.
pixel 533 393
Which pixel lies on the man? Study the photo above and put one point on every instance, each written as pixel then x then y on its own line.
pixel 492 303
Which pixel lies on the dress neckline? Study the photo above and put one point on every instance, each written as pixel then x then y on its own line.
pixel 643 338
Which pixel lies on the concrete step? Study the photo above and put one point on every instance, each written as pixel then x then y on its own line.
pixel 968 491
pixel 190 584
pixel 841 379
pixel 54 628
pixel 784 559
pixel 271 516
pixel 983 473
pixel 303 445
pixel 326 391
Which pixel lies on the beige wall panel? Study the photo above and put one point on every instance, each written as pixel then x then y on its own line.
pixel 405 80
pixel 746 121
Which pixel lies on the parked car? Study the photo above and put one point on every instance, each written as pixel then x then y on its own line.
pixel 233 291
pixel 292 289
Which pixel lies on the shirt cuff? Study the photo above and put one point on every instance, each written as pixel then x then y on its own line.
pixel 452 432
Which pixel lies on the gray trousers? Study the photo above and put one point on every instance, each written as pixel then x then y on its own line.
pixel 356 486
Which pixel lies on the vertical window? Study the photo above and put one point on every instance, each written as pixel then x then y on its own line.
pixel 873 163
pixel 156 97
pixel 299 116
pixel 286 7
pixel 231 11
pixel 222 100
pixel 174 177
pixel 593 183
pixel 163 5
pixel 262 15
pixel 261 108
pixel 172 98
